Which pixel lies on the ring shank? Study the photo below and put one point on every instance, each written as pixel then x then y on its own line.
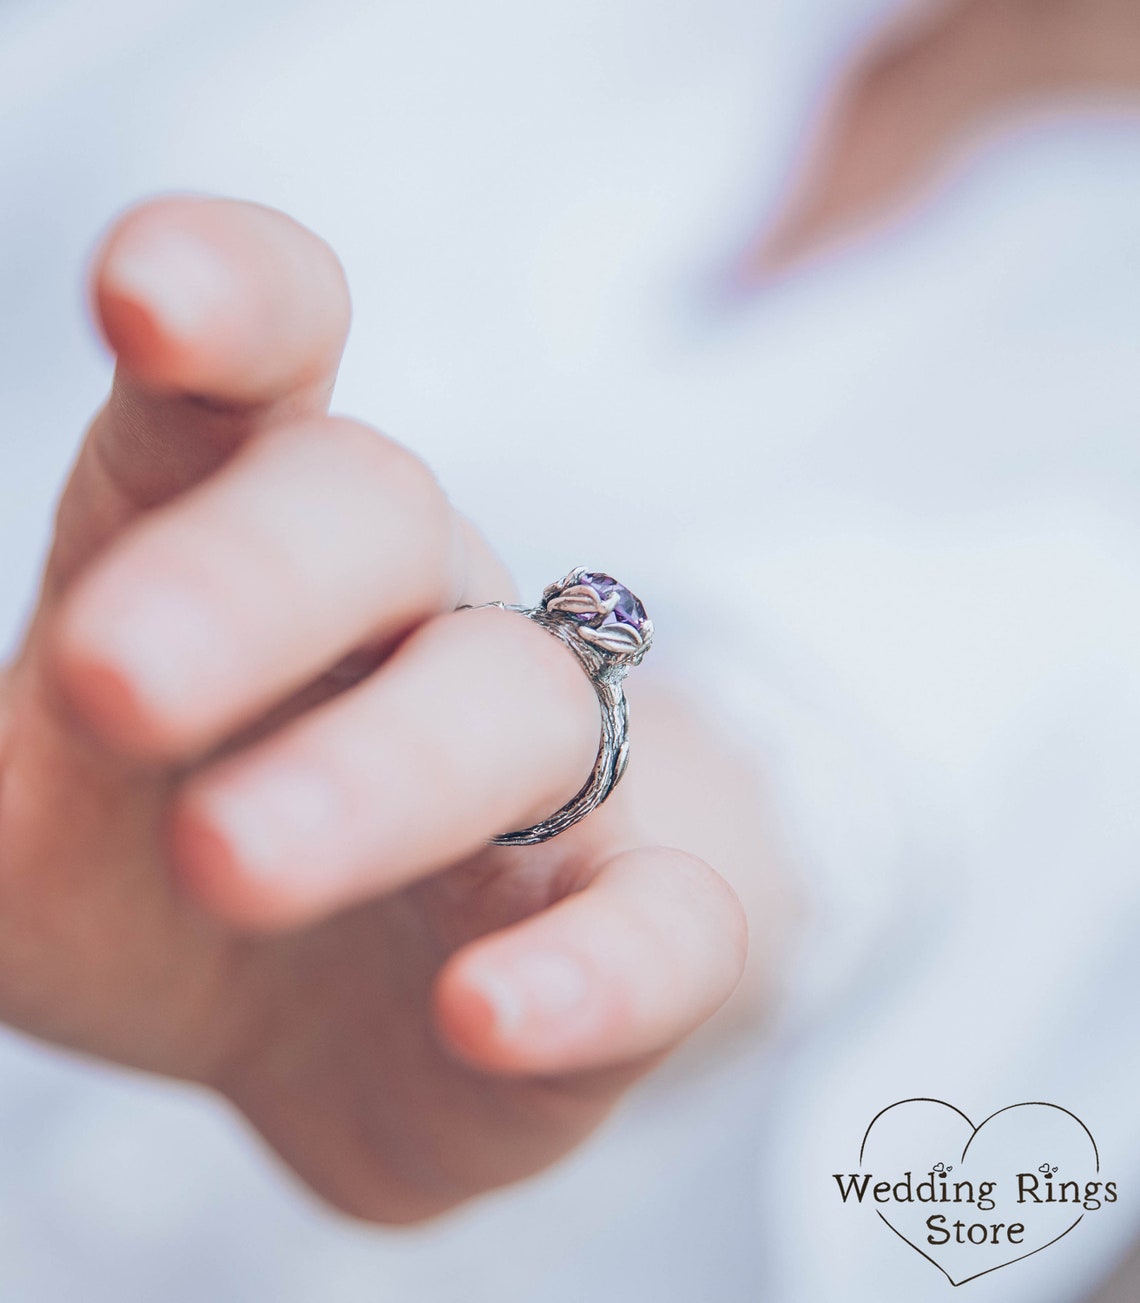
pixel 613 747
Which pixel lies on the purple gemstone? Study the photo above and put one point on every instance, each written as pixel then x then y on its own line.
pixel 628 609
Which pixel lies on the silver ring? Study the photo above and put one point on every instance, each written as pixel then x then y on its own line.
pixel 606 627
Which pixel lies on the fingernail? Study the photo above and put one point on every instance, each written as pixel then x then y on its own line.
pixel 172 273
pixel 272 821
pixel 164 643
pixel 533 988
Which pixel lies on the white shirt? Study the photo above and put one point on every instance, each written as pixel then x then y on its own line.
pixel 907 483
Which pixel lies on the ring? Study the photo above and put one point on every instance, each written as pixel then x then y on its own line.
pixel 606 627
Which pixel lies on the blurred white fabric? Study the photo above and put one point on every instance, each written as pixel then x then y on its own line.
pixel 907 483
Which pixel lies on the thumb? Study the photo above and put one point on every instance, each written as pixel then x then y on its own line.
pixel 614 974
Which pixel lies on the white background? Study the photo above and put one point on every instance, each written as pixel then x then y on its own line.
pixel 907 482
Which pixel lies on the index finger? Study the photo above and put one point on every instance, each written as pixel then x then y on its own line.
pixel 225 317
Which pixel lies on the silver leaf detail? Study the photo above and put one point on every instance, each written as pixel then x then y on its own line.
pixel 613 637
pixel 577 600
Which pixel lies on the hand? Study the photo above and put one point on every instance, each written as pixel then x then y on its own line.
pixel 251 755
pixel 928 89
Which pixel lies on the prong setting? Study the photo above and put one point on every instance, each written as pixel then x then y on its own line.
pixel 605 614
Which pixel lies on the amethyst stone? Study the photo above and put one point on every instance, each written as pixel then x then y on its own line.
pixel 628 609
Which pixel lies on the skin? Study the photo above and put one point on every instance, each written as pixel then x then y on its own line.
pixel 926 91
pixel 250 757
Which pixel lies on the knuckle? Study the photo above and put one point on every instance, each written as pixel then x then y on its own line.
pixel 404 476
pixel 392 472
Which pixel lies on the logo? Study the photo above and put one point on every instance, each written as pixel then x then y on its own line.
pixel 972 1199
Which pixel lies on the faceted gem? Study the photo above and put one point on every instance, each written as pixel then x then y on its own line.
pixel 628 609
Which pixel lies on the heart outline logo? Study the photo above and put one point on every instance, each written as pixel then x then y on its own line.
pixel 942 1170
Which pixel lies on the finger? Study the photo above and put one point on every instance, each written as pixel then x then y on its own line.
pixel 618 971
pixel 224 317
pixel 922 94
pixel 314 539
pixel 481 722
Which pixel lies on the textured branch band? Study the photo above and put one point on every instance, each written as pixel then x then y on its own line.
pixel 606 627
